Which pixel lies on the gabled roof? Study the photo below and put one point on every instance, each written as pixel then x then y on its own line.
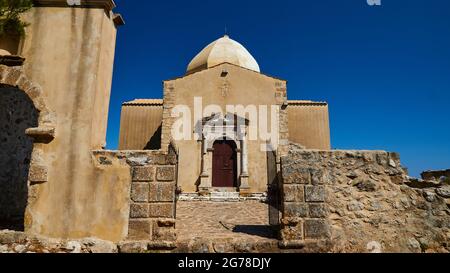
pixel 143 102
pixel 307 103
pixel 212 67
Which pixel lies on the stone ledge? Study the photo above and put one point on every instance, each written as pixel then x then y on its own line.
pixel 41 134
pixel 145 246
pixel 292 244
pixel 226 197
pixel 11 60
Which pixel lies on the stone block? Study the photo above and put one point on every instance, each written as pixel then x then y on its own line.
pixel 293 193
pixel 295 209
pixel 161 210
pixel 166 222
pixel 316 229
pixel 139 210
pixel 133 247
pixel 143 174
pixel 315 194
pixel 382 159
pixel 165 173
pixel 38 174
pixel 292 231
pixel 162 192
pixel 163 233
pixel 317 177
pixel 164 159
pixel 294 175
pixel 317 211
pixel 41 134
pixel 140 229
pixel 139 192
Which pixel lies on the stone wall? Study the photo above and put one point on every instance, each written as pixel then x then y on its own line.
pixel 441 176
pixel 361 201
pixel 19 242
pixel 150 204
pixel 152 207
pixel 73 198
pixel 135 196
pixel 17 113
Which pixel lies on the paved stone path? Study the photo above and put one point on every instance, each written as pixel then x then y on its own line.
pixel 247 220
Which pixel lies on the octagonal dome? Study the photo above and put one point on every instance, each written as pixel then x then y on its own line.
pixel 223 50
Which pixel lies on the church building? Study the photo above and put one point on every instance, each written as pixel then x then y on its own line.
pixel 228 112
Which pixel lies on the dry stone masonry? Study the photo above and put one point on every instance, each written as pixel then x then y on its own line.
pixel 361 201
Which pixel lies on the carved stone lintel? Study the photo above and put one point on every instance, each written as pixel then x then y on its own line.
pixel 41 134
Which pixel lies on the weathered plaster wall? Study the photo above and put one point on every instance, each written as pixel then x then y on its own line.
pixel 142 200
pixel 309 124
pixel 69 53
pixel 239 87
pixel 140 125
pixel 17 113
pixel 366 203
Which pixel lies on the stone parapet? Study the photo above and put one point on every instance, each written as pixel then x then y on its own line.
pixel 360 201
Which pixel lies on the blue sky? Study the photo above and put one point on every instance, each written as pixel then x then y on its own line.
pixel 384 70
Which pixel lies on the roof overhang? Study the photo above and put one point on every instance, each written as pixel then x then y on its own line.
pixel 103 4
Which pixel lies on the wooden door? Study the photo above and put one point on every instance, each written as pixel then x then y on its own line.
pixel 224 164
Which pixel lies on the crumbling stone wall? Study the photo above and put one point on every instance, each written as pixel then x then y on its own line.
pixel 17 113
pixel 442 176
pixel 361 201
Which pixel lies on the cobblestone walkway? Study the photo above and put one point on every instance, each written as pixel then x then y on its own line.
pixel 222 220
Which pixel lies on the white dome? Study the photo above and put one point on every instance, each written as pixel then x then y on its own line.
pixel 223 50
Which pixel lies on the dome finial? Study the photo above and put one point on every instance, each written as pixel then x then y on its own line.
pixel 226 32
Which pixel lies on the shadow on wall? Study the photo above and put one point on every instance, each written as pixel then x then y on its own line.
pixel 266 231
pixel 17 113
pixel 155 141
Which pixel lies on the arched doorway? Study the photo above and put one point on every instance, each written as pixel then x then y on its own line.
pixel 17 113
pixel 224 164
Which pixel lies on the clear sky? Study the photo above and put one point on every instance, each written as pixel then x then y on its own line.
pixel 384 70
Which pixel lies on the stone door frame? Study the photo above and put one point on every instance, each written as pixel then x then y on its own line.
pixel 219 127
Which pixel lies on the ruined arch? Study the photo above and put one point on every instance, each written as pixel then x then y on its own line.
pixel 15 77
pixel 26 125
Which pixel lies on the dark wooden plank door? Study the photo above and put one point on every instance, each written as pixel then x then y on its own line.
pixel 224 164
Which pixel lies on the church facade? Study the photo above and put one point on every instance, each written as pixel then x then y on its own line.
pixel 229 122
pixel 224 128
